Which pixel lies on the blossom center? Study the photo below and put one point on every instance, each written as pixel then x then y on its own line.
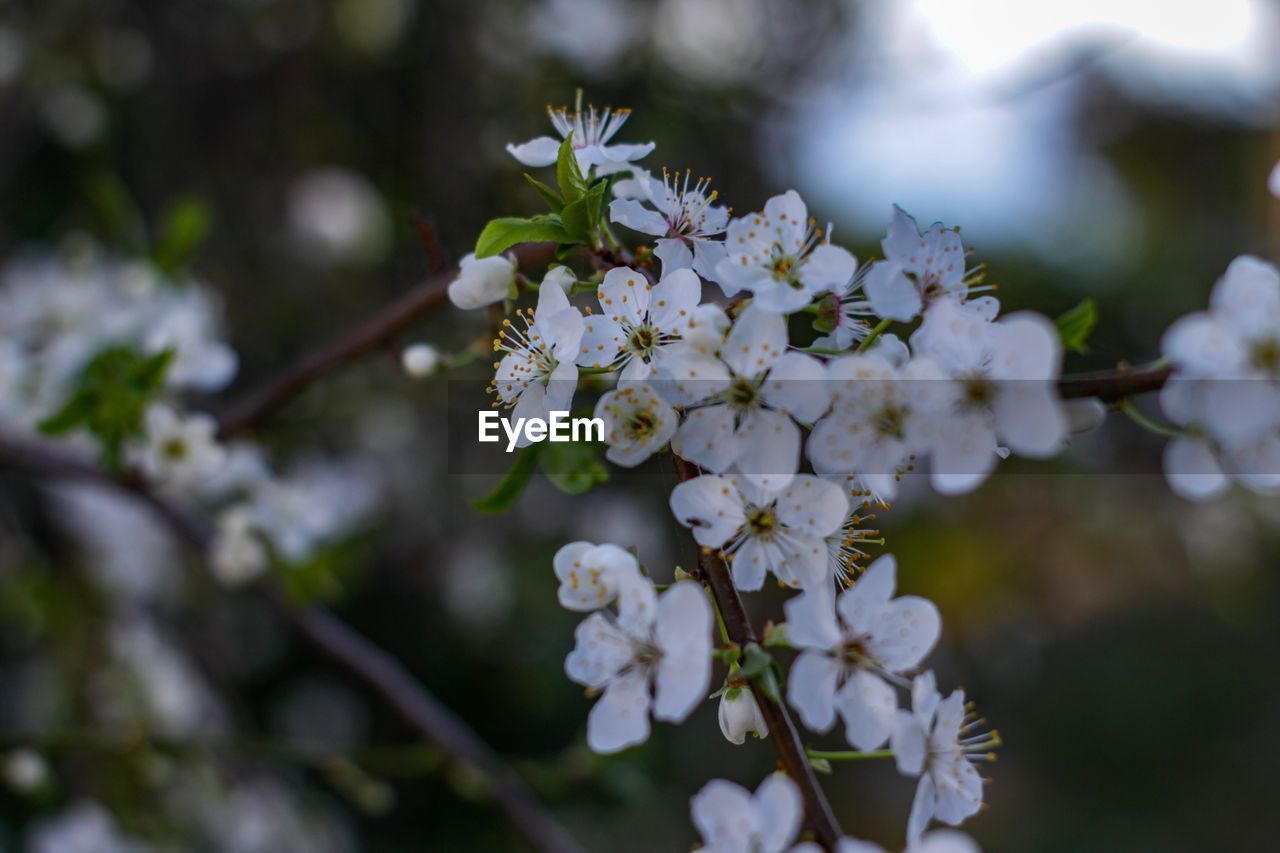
pixel 1265 355
pixel 762 522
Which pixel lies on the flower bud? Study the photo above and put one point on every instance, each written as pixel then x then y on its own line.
pixel 420 360
pixel 740 714
pixel 482 281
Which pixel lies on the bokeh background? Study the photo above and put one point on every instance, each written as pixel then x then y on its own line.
pixel 1121 640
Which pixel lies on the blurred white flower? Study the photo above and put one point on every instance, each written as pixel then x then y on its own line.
pixel 420 360
pixel 25 770
pixel 84 827
pixel 181 451
pixel 659 643
pixel 75 115
pixel 1274 182
pixel 337 217
pixel 731 819
pixel 237 553
pixel 592 576
pixel 592 34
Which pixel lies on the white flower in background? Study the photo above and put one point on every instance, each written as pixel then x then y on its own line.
pixel 741 394
pixel 640 322
pixel 740 714
pixel 181 451
pixel 318 502
pixel 591 576
pixel 537 375
pixel 25 770
pixel 237 553
pixel 918 270
pixel 934 741
pixel 759 531
pixel 1001 392
pixel 85 827
pixel 482 281
pixel 731 819
pixel 637 423
pixel 591 131
pixel 684 220
pixel 781 257
pixel 938 841
pixel 1274 181
pixel 337 216
pixel 661 643
pixel 878 416
pixel 851 644
pixel 420 360
pixel 186 321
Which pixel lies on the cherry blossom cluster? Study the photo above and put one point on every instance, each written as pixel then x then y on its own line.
pixel 797 434
pixel 1225 392
pixel 58 312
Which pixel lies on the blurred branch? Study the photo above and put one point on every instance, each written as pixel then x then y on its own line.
pixel 332 638
pixel 379 331
pixel 1112 385
pixel 782 731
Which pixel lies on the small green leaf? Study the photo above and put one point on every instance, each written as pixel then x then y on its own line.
pixel 550 196
pixel 582 217
pixel 512 485
pixel 573 185
pixel 185 227
pixel 574 467
pixel 502 234
pixel 1076 325
pixel 820 764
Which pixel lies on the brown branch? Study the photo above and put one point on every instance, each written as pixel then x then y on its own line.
pixel 333 639
pixel 1112 385
pixel 783 733
pixel 374 334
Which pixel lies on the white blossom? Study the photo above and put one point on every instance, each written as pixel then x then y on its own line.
pixel 591 129
pixel 781 257
pixel 538 375
pixel 655 654
pixel 851 644
pixel 591 576
pixel 919 270
pixel 760 531
pixel 731 819
pixel 181 451
pixel 1001 392
pixel 637 423
pixel 1273 183
pixel 237 553
pixel 742 392
pixel 934 741
pixel 845 312
pixel 420 360
pixel 641 322
pixel 740 714
pixel 186 321
pixel 684 220
pixel 482 281
pixel 25 770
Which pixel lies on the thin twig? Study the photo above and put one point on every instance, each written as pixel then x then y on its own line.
pixel 783 733
pixel 1112 385
pixel 364 661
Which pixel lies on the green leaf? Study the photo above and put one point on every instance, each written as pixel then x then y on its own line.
pixel 573 185
pixel 502 234
pixel 549 195
pixel 1076 325
pixel 186 225
pixel 582 217
pixel 512 485
pixel 113 394
pixel 574 467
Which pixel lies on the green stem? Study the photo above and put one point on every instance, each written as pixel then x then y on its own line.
pixel 594 371
pixel 875 333
pixel 1135 414
pixel 849 755
pixel 715 606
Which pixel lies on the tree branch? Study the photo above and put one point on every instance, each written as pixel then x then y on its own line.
pixel 378 332
pixel 782 731
pixel 364 661
pixel 1112 385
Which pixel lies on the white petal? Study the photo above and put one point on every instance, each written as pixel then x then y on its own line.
pixel 811 688
pixel 542 151
pixel 1030 418
pixel 624 295
pixel 868 706
pixel 797 385
pixel 602 341
pixel 778 804
pixel 909 743
pixel 891 294
pixel 1192 470
pixel 963 456
pixel 827 268
pixel 756 341
pixel 922 809
pixel 725 815
pixel 707 438
pixel 683 633
pixel 959 791
pixel 637 217
pixel 621 717
pixel 600 651
pixel 860 606
pixel 811 620
pixel 674 253
pixel 711 506
pixel 812 507
pixel 904 632
pixel 767 449
pixel 674 299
